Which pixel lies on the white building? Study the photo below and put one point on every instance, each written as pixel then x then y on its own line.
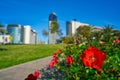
pixel 29 35
pixel 33 37
pixel 71 27
pixel 5 39
pixel 26 34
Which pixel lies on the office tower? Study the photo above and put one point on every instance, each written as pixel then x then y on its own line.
pixel 52 36
pixel 71 27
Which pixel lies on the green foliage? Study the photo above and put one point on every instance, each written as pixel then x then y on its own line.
pixel 54 27
pixel 68 40
pixel 44 32
pixel 106 41
pixel 85 31
pixel 2 30
pixel 110 68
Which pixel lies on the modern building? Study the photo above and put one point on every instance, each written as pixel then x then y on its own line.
pixel 15 31
pixel 71 27
pixel 96 28
pixel 29 35
pixel 22 34
pixel 26 34
pixel 5 39
pixel 52 36
pixel 33 37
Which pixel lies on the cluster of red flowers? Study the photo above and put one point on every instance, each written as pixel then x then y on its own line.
pixel 53 62
pixel 69 60
pixel 33 76
pixel 55 59
pixel 93 57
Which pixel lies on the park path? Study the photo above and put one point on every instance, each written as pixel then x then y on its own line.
pixel 20 72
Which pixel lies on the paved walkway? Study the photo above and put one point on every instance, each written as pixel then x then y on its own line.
pixel 21 71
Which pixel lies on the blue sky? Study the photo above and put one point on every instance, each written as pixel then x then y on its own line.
pixel 36 12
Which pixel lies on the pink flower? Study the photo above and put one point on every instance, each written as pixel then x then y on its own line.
pixel 102 42
pixel 78 63
pixel 117 41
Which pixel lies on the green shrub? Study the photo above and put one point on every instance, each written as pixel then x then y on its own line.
pixel 68 40
pixel 97 60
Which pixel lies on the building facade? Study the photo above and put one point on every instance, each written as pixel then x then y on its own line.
pixel 33 37
pixel 29 35
pixel 5 39
pixel 22 34
pixel 71 27
pixel 15 31
pixel 26 34
pixel 52 36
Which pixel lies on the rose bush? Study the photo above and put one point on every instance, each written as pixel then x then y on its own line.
pixel 93 61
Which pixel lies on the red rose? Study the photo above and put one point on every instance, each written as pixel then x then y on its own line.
pixel 57 52
pixel 92 57
pixel 69 60
pixel 54 55
pixel 53 62
pixel 36 74
pixel 31 77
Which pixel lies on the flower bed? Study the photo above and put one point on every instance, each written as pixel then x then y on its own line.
pixel 90 61
pixel 93 61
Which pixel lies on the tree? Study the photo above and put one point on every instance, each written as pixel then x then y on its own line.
pixel 96 35
pixel 44 33
pixel 85 31
pixel 54 27
pixel 2 30
pixel 107 33
pixel 68 40
pixel 117 34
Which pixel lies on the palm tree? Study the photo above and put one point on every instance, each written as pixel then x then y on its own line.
pixel 44 33
pixel 97 35
pixel 108 32
pixel 117 34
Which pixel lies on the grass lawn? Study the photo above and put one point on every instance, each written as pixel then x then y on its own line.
pixel 15 54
